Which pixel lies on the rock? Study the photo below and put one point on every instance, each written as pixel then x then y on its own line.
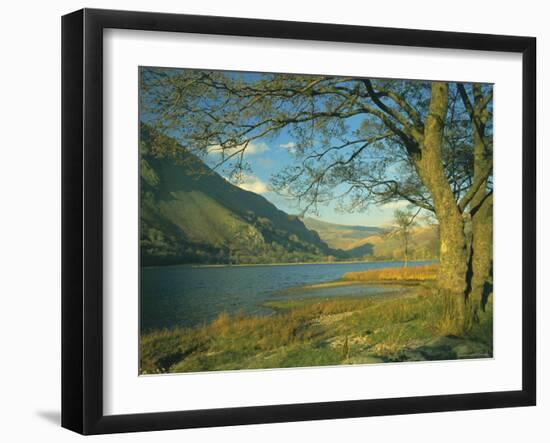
pixel 365 359
pixel 450 348
pixel 410 355
pixel 471 349
pixel 440 348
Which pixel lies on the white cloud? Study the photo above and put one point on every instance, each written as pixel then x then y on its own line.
pixel 253 184
pixel 291 146
pixel 399 204
pixel 256 148
pixel 251 149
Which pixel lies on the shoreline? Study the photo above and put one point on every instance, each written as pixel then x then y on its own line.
pixel 316 332
pixel 242 265
pixel 342 282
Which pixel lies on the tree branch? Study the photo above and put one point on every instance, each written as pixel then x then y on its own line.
pixel 411 131
pixel 476 185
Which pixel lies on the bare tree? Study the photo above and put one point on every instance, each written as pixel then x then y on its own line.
pixel 404 221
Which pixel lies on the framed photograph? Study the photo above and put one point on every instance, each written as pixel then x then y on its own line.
pixel 269 221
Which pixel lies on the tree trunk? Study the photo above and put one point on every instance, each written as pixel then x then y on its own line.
pixel 481 211
pixel 453 270
pixel 481 264
pixel 406 234
pixel 453 255
pixel 453 251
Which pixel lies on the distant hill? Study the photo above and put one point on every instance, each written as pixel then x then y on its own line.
pixel 190 214
pixel 340 236
pixel 375 243
pixel 423 244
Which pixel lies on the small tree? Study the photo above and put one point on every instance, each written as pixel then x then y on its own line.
pixel 404 222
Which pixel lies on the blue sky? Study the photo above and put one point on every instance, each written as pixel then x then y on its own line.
pixel 267 157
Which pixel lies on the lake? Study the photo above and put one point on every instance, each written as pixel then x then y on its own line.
pixel 188 296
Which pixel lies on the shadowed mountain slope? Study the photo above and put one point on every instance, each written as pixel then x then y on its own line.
pixel 190 214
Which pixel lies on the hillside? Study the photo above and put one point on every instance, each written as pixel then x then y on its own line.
pixel 340 236
pixel 423 244
pixel 190 214
pixel 375 242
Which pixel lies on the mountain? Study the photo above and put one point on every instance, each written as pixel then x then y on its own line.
pixel 388 245
pixel 369 242
pixel 190 214
pixel 340 236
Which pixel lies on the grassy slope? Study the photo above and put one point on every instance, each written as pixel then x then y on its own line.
pixel 316 332
pixel 340 236
pixel 187 209
pixel 423 244
pixel 203 220
pixel 360 241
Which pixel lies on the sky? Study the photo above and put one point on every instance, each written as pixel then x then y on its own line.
pixel 268 157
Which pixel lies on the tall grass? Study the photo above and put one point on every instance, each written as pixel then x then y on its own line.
pixel 403 274
pixel 313 332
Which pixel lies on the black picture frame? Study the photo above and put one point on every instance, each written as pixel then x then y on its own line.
pixel 82 218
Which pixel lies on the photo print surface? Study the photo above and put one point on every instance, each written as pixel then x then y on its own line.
pixel 294 220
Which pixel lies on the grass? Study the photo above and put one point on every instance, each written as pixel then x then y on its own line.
pixel 403 274
pixel 317 332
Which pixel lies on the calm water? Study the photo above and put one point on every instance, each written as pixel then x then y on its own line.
pixel 187 296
